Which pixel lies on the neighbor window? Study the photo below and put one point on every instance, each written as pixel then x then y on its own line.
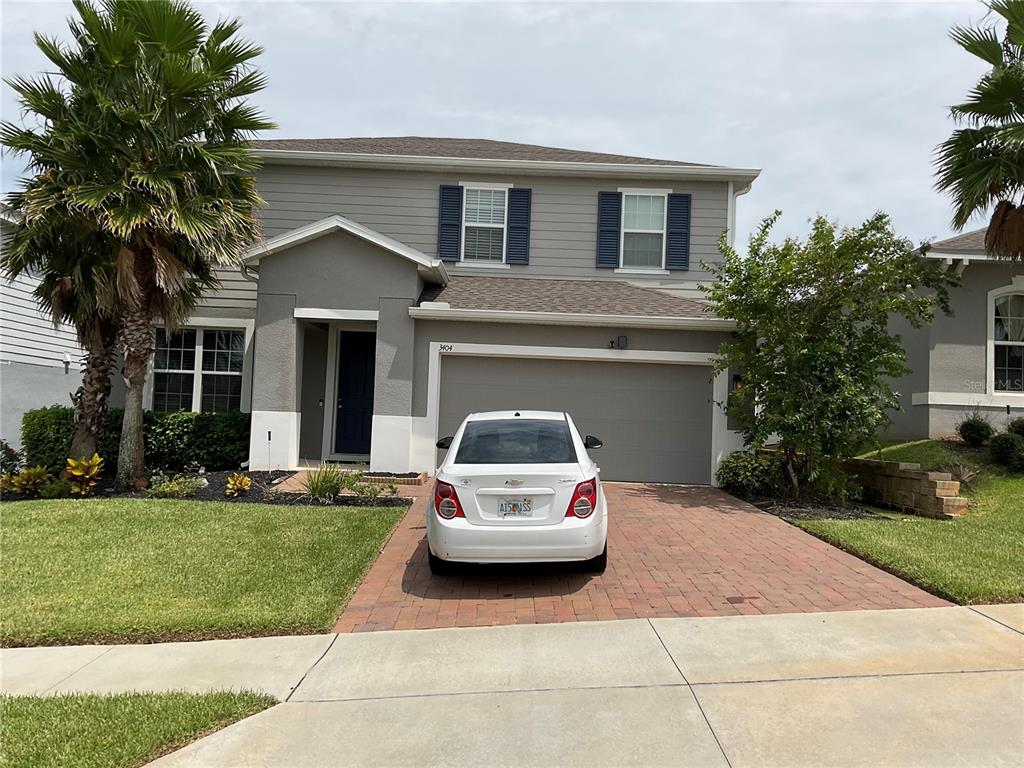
pixel 484 225
pixel 198 370
pixel 1009 343
pixel 643 230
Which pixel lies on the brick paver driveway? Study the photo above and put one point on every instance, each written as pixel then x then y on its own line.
pixel 673 551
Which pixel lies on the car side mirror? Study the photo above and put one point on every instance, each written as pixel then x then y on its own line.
pixel 445 442
pixel 591 442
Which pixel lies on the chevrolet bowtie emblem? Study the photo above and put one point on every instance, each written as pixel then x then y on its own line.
pixel 513 483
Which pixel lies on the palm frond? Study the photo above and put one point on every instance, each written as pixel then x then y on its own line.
pixel 983 43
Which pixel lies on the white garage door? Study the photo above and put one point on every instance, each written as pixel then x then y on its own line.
pixel 655 419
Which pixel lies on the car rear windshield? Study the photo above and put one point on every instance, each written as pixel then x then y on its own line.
pixel 516 441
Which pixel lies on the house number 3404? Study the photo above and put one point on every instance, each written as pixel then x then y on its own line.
pixel 447 347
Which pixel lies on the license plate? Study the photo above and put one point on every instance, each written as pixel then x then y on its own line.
pixel 521 507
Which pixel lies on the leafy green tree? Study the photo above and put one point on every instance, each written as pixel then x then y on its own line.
pixel 144 132
pixel 982 162
pixel 813 338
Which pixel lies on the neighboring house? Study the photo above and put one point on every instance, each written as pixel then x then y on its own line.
pixel 39 365
pixel 972 359
pixel 405 282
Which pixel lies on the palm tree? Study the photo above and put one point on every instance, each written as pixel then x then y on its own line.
pixel 982 162
pixel 74 273
pixel 146 135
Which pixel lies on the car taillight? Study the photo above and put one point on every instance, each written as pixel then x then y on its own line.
pixel 446 501
pixel 584 500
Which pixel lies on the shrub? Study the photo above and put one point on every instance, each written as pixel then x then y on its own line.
pixel 324 483
pixel 238 484
pixel 1016 426
pixel 83 474
pixel 750 474
pixel 6 483
pixel 46 436
pixel 55 489
pixel 183 439
pixel 10 459
pixel 175 486
pixel 975 430
pixel 174 441
pixel 29 481
pixel 1007 449
pixel 834 484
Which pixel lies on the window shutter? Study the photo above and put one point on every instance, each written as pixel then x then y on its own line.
pixel 449 222
pixel 609 223
pixel 517 238
pixel 677 232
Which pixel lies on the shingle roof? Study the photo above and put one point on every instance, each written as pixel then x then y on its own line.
pixel 477 149
pixel 585 297
pixel 968 241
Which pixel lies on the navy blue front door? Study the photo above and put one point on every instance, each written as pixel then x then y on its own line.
pixel 356 357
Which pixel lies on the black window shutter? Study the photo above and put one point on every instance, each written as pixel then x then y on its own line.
pixel 517 237
pixel 609 222
pixel 449 222
pixel 677 232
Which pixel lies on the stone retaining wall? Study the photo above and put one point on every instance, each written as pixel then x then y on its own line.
pixel 908 488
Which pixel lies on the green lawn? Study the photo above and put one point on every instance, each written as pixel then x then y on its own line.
pixel 143 570
pixel 115 731
pixel 978 558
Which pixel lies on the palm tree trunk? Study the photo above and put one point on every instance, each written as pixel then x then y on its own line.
pixel 92 397
pixel 137 344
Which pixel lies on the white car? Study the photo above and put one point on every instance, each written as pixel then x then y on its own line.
pixel 517 487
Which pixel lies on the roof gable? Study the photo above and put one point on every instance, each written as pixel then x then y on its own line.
pixel 338 223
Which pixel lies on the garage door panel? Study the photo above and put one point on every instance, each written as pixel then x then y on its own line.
pixel 655 419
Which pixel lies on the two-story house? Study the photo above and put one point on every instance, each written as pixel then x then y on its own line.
pixel 405 282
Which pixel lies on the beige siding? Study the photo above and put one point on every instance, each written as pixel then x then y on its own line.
pixel 403 205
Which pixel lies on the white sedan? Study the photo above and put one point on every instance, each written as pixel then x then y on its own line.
pixel 518 487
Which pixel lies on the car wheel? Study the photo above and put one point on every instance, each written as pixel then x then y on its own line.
pixel 597 564
pixel 438 567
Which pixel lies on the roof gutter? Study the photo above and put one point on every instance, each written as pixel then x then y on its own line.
pixel 695 323
pixel 532 167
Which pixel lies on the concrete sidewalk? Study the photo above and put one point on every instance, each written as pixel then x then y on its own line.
pixel 934 686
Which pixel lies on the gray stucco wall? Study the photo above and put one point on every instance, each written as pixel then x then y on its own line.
pixel 950 357
pixel 910 422
pixel 403 205
pixel 545 336
pixel 26 386
pixel 311 403
pixel 333 272
pixel 276 378
pixel 338 271
pixel 958 342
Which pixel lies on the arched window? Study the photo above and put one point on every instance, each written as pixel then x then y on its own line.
pixel 1008 342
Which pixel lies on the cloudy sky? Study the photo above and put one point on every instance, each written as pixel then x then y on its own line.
pixel 840 104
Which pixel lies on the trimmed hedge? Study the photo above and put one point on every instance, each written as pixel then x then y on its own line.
pixel 174 441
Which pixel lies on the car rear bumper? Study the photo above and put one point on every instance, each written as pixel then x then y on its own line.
pixel 570 540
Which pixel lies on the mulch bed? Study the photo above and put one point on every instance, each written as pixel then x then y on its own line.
pixel 809 510
pixel 262 491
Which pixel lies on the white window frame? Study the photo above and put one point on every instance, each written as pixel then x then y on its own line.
pixel 466 186
pixel 1015 287
pixel 663 194
pixel 208 324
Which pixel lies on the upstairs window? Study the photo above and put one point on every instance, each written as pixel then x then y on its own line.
pixel 1008 341
pixel 198 370
pixel 643 231
pixel 484 220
